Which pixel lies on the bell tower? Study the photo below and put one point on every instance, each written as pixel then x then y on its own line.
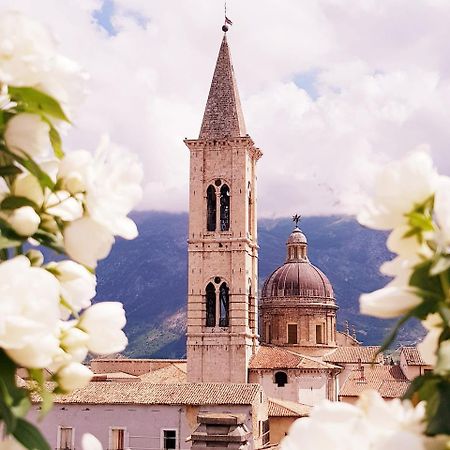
pixel 222 329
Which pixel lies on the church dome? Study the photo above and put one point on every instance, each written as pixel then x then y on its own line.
pixel 297 277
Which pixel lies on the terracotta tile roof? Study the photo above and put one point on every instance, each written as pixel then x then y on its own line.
pixel 175 373
pixel 390 381
pixel 285 408
pixel 352 355
pixel 163 394
pixel 412 356
pixel 393 389
pixel 271 357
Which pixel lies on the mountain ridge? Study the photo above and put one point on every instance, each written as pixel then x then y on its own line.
pixel 149 275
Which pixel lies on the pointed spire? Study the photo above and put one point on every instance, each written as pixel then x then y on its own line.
pixel 223 116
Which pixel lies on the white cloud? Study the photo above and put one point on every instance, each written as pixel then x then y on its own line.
pixel 381 88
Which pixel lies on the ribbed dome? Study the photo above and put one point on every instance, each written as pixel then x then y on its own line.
pixel 297 279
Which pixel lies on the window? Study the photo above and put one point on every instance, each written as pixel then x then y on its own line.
pixel 281 378
pixel 169 439
pixel 117 439
pixel 211 208
pixel 292 333
pixel 265 432
pixel 210 305
pixel 251 317
pixel 319 334
pixel 66 438
pixel 224 305
pixel 224 208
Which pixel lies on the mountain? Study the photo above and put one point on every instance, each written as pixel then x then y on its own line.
pixel 149 275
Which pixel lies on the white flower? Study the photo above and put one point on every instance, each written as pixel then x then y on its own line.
pixel 27 185
pixel 429 346
pixel 111 182
pixel 393 421
pixel 24 221
pixel 27 133
pixel 29 304
pixel 442 209
pixel 61 204
pixel 90 442
pixel 103 322
pixel 371 424
pixel 409 248
pixel 332 425
pixel 37 354
pixel 28 58
pixel 77 283
pixel 73 376
pixel 390 301
pixel 400 188
pixel 86 241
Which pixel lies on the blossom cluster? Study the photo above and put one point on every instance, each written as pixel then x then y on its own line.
pixel 413 201
pixel 371 424
pixel 74 203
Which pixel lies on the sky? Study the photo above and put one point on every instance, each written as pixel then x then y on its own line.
pixel 331 89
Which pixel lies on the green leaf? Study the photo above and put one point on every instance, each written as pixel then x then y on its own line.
pixel 22 408
pixel 6 411
pixel 35 101
pixel 422 280
pixel 56 142
pixel 29 436
pixel 15 202
pixel 6 171
pixel 419 384
pixel 32 167
pixel 438 409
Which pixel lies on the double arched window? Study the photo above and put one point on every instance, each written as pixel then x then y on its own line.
pixel 217 297
pixel 218 193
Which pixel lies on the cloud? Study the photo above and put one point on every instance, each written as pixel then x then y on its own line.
pixel 331 90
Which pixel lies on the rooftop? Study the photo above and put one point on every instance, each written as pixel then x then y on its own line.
pixel 389 381
pixel 175 373
pixel 271 357
pixel 285 408
pixel 223 116
pixel 104 393
pixel 412 356
pixel 354 354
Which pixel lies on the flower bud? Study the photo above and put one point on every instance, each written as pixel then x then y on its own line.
pixel 24 221
pixel 103 322
pixel 73 376
pixel 27 133
pixel 36 257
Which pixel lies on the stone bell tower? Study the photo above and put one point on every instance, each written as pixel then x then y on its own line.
pixel 223 252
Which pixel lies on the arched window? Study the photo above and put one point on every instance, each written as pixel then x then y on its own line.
pixel 224 300
pixel 210 305
pixel 224 208
pixel 250 214
pixel 211 208
pixel 281 378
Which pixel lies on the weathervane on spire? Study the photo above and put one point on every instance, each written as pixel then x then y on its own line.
pixel 227 20
pixel 296 219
